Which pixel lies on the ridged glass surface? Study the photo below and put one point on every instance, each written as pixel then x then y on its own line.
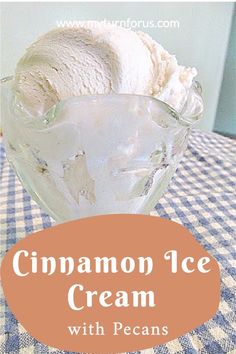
pixel 103 154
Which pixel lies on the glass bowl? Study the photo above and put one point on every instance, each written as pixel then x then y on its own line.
pixel 102 154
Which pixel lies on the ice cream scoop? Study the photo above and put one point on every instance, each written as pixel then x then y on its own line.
pixel 98 59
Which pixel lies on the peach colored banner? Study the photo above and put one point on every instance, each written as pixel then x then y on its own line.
pixel 114 283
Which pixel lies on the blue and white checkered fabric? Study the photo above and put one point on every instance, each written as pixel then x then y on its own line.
pixel 201 196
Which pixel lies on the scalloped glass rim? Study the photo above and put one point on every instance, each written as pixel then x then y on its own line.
pixel 184 117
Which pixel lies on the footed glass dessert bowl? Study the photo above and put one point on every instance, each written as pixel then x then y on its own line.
pixel 103 154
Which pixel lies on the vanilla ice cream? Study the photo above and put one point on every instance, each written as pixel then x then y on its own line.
pixel 98 59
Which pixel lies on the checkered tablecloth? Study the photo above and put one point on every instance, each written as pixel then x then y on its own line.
pixel 201 196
